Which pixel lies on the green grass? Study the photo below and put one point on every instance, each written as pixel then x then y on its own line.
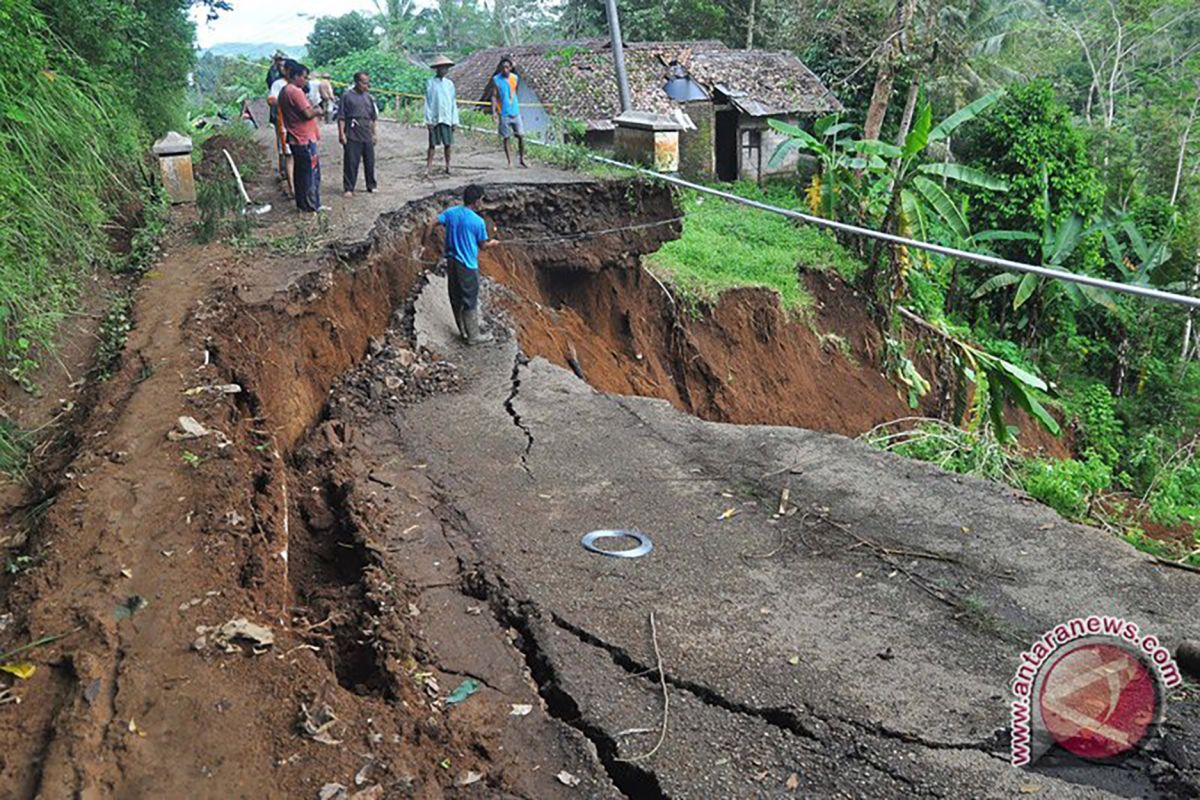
pixel 15 445
pixel 726 246
pixel 69 156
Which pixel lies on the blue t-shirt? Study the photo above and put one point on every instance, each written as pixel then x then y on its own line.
pixel 506 93
pixel 464 231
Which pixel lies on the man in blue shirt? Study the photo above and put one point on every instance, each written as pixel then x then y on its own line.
pixel 508 109
pixel 466 232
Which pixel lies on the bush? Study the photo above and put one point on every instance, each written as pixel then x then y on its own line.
pixel 388 70
pixel 1100 431
pixel 1028 129
pixel 1175 496
pixel 1067 486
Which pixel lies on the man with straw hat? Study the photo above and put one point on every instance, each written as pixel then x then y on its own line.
pixel 275 71
pixel 441 111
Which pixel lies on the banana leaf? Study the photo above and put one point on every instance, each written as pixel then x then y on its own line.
pixel 945 208
pixel 789 129
pixel 964 114
pixel 841 127
pixel 967 175
pixel 918 136
pixel 1101 297
pixel 1066 239
pixel 996 282
pixel 1029 282
pixel 1019 394
pixel 914 209
pixel 822 125
pixel 785 147
pixel 874 147
pixel 1004 236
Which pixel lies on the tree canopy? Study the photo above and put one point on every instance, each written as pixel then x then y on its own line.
pixel 334 37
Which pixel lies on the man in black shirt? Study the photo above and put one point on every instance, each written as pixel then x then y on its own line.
pixel 357 115
pixel 275 71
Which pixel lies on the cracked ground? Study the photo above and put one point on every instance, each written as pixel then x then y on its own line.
pixel 418 525
pixel 795 657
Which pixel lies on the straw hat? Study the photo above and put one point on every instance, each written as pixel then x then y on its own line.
pixel 441 61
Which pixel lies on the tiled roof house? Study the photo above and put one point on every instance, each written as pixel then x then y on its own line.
pixel 728 94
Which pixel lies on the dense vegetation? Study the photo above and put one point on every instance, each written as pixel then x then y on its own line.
pixel 1075 150
pixel 84 87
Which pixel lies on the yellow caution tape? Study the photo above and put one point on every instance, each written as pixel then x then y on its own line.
pixel 412 96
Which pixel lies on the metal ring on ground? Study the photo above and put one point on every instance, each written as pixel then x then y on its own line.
pixel 644 544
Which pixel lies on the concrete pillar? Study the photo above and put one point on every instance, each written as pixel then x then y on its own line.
pixel 650 139
pixel 174 153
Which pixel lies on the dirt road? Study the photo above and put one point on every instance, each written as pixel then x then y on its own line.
pixel 402 515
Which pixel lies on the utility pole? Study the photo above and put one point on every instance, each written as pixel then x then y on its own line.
pixel 618 48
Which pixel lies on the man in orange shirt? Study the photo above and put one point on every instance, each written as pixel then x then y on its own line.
pixel 508 110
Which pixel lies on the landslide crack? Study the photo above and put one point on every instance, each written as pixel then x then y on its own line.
pixel 784 718
pixel 518 361
pixel 634 782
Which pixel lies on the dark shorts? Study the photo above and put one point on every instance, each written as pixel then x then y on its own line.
pixel 441 134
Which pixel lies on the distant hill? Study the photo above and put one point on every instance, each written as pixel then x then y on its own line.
pixel 254 50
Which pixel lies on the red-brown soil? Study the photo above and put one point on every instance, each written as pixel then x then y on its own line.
pixel 145 539
pixel 744 360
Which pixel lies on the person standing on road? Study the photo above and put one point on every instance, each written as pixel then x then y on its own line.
pixel 508 109
pixel 441 111
pixel 275 71
pixel 325 92
pixel 299 118
pixel 466 232
pixel 284 152
pixel 357 133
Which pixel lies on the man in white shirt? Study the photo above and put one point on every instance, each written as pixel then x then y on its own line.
pixel 441 111
pixel 281 145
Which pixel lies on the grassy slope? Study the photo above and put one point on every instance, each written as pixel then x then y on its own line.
pixel 725 246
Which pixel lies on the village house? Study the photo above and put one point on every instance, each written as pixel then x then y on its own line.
pixel 726 95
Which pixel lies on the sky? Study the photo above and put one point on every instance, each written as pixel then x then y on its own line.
pixel 287 22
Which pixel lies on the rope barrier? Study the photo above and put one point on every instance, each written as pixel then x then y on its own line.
pixel 953 252
pixel 412 96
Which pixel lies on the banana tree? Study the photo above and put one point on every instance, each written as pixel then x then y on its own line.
pixel 1058 242
pixel 899 189
pixel 1135 267
pixel 837 164
pixel 998 382
pixel 913 196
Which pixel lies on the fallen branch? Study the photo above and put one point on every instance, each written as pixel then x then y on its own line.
pixel 886 558
pixel 662 679
pixel 1166 562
